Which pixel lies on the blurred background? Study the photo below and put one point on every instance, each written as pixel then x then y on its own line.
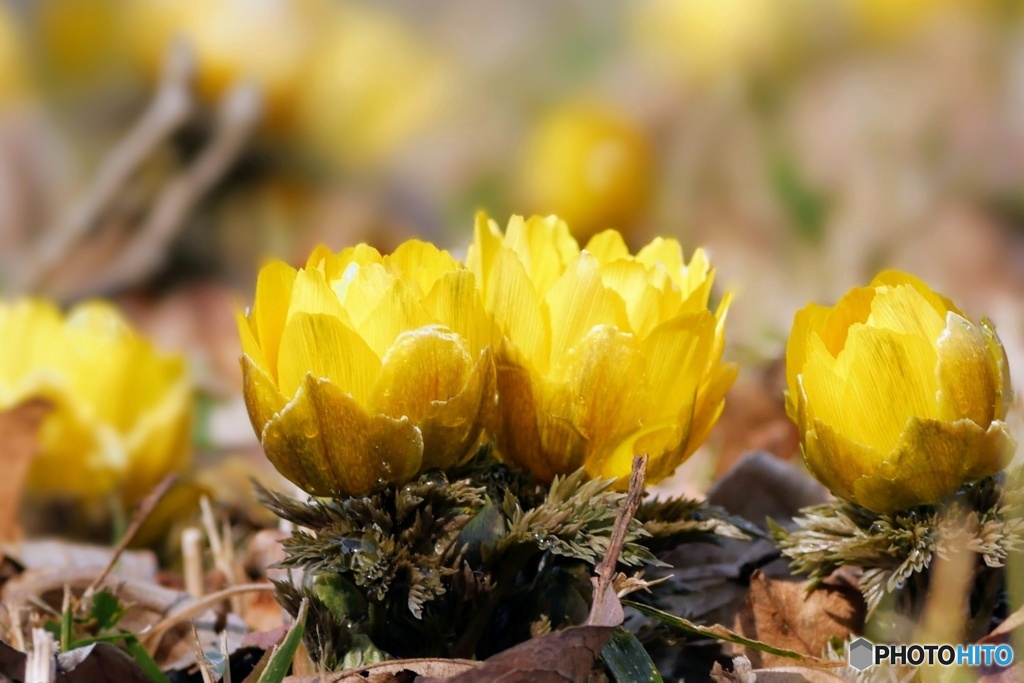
pixel 156 152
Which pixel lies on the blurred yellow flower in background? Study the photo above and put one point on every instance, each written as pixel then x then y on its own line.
pixel 361 369
pixel 121 411
pixel 371 85
pixel 709 40
pixel 600 355
pixel 13 67
pixel 885 20
pixel 899 398
pixel 269 43
pixel 590 165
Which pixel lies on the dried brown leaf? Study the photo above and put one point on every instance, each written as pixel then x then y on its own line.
pixel 397 671
pixel 784 614
pixel 562 657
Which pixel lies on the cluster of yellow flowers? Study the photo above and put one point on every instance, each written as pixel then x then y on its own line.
pixel 362 369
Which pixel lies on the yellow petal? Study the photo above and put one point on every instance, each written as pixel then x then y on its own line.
pixel 808 321
pixel 250 347
pixel 608 246
pixel 360 288
pixel 1001 365
pixel 482 253
pixel 676 353
pixel 312 294
pixel 932 461
pixel 969 385
pixel 423 366
pixel 159 443
pixel 578 302
pixel 517 310
pixel 902 309
pixel 879 382
pixel 894 278
pixel 455 303
pixel 420 262
pixel 837 461
pixel 647 293
pixel 669 255
pixel 262 397
pixel 452 429
pixel 270 309
pixel 516 429
pixel 324 442
pixel 325 347
pixel 31 336
pixel 397 311
pixel 854 307
pixel 320 255
pixel 544 245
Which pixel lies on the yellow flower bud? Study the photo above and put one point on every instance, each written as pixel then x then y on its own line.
pixel 121 412
pixel 899 398
pixel 361 369
pixel 589 165
pixel 600 355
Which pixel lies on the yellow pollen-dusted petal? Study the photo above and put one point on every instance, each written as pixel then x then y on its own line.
pixel 321 345
pixel 270 309
pixel 608 246
pixel 578 302
pixel 901 377
pixel 328 445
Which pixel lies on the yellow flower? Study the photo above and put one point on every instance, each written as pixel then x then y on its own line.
pixel 710 40
pixel 121 412
pixel 269 43
pixel 600 355
pixel 589 165
pixel 361 369
pixel 370 87
pixel 899 398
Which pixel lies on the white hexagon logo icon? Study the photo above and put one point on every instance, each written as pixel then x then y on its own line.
pixel 861 654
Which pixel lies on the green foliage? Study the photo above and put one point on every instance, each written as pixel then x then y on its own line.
pixel 895 550
pixel 465 564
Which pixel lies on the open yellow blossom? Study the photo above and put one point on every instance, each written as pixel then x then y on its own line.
pixel 600 355
pixel 362 369
pixel 121 411
pixel 899 398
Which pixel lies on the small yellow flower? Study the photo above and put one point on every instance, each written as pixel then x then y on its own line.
pixel 361 369
pixel 899 398
pixel 121 412
pixel 600 355
pixel 589 165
